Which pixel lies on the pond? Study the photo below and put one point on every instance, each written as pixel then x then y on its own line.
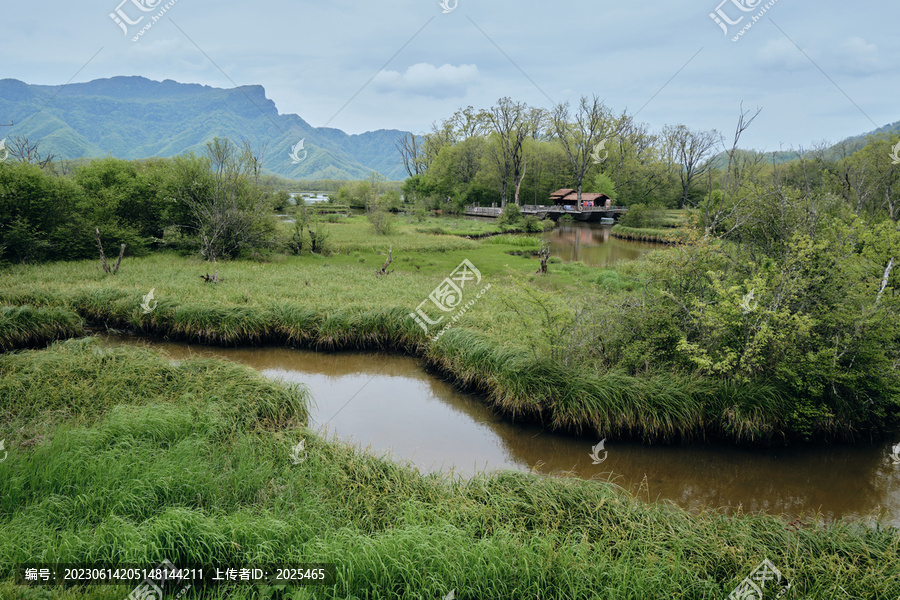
pixel 592 244
pixel 390 405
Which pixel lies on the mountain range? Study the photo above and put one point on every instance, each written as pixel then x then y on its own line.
pixel 135 117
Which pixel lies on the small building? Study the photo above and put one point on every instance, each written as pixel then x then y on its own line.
pixel 569 199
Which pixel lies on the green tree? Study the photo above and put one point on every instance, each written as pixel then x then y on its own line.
pixel 602 184
pixel 379 204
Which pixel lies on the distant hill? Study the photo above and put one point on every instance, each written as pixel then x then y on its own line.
pixel 134 117
pixel 844 147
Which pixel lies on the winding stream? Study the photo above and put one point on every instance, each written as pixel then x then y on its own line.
pixel 390 405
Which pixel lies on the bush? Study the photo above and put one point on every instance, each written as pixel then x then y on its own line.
pixel 533 224
pixel 511 215
pixel 379 215
pixel 228 214
pixel 420 210
pixel 281 200
pixel 642 216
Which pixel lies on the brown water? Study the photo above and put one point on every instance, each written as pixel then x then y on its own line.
pixel 592 244
pixel 390 405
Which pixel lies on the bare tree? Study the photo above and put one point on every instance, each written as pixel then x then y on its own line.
pixel 228 211
pixel 579 133
pixel 103 262
pixel 410 150
pixel 727 205
pixel 539 123
pixel 24 150
pixel 254 159
pixel 692 151
pixel 509 121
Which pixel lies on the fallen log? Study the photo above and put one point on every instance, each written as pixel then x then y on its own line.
pixel 210 279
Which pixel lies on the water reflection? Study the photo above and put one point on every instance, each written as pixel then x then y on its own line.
pixel 389 404
pixel 593 245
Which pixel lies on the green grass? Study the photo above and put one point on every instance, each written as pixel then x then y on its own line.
pixel 331 305
pixel 25 326
pixel 124 457
pixel 521 241
pixel 663 236
pixel 338 302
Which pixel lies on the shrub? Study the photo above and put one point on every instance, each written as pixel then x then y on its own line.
pixel 533 224
pixel 643 216
pixel 511 215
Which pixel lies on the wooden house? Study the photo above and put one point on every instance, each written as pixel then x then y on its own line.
pixel 569 199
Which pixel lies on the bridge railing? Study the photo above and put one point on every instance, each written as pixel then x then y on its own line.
pixel 487 210
pixel 569 208
pixel 483 210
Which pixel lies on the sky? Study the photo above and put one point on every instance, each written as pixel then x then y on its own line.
pixel 820 70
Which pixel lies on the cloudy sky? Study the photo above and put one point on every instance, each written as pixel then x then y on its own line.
pixel 820 70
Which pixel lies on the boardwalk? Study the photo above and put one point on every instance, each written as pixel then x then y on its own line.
pixel 554 212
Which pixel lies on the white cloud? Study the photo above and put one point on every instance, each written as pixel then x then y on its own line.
pixel 854 55
pixel 783 55
pixel 424 79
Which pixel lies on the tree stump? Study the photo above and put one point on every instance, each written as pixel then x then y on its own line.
pixel 543 256
pixel 390 259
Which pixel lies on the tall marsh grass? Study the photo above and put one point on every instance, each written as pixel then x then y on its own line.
pixel 192 463
pixel 338 304
pixel 662 236
pixel 26 326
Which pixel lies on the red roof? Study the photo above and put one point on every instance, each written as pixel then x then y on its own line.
pixel 592 197
pixel 570 195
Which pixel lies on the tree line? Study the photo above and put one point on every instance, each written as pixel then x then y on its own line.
pixel 513 152
pixel 218 204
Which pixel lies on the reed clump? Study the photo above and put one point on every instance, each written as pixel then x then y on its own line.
pixel 28 327
pixel 638 234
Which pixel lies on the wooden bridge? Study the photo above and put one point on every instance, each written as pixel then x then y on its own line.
pixel 597 213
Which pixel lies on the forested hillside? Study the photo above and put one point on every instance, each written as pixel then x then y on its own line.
pixel 135 118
